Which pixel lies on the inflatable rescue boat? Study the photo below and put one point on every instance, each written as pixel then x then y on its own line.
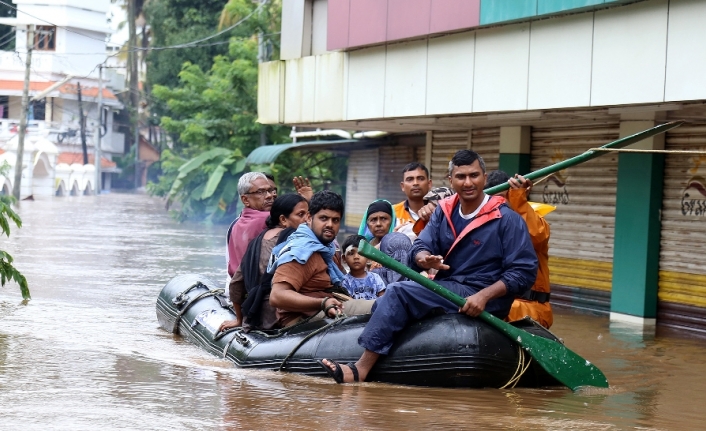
pixel 450 350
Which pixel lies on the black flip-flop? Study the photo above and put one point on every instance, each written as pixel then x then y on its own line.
pixel 337 374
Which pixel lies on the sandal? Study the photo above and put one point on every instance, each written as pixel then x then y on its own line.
pixel 337 374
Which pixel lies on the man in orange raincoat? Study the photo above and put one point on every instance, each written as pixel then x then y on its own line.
pixel 535 302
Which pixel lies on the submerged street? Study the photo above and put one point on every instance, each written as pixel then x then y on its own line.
pixel 87 352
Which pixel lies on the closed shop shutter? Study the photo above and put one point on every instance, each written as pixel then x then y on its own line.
pixel 443 146
pixel 582 227
pixel 485 141
pixel 682 276
pixel 420 155
pixel 361 185
pixel 392 160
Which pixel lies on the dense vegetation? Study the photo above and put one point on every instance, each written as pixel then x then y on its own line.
pixel 208 105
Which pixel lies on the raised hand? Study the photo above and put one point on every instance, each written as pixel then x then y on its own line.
pixel 303 187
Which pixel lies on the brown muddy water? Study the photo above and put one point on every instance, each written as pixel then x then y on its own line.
pixel 87 353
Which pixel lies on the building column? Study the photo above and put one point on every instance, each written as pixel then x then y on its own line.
pixel 515 149
pixel 637 229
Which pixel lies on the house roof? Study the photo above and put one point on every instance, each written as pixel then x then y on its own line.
pixel 67 88
pixel 71 158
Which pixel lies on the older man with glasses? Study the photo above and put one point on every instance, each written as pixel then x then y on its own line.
pixel 257 193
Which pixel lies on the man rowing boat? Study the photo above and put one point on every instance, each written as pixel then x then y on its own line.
pixel 482 251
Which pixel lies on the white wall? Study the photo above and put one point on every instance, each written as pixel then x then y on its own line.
pixel 560 62
pixel 686 55
pixel 296 29
pixel 319 28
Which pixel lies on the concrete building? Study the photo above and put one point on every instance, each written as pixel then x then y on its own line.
pixel 528 83
pixel 68 46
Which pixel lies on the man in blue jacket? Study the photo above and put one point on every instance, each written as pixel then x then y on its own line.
pixel 480 247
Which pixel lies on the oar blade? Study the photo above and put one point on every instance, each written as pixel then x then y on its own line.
pixel 558 360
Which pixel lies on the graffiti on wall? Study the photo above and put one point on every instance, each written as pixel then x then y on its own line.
pixel 693 197
pixel 555 191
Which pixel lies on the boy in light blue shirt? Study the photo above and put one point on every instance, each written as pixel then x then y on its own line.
pixel 360 283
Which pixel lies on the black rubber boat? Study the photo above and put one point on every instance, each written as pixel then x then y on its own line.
pixel 451 350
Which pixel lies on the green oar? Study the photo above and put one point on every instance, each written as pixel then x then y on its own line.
pixel 588 155
pixel 560 362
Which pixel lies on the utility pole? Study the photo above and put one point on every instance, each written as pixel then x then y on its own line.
pixel 23 116
pixel 82 123
pixel 261 58
pixel 99 135
pixel 134 85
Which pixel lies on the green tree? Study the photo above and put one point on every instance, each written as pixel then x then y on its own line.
pixel 212 115
pixel 7 214
pixel 217 107
pixel 174 22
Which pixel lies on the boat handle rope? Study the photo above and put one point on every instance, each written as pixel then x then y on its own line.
pixel 213 292
pixel 338 319
pixel 221 334
pixel 181 298
pixel 519 371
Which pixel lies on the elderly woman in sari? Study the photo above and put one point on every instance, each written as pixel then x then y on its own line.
pixel 378 227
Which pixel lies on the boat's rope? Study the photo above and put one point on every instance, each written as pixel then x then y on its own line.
pixel 181 298
pixel 339 318
pixel 630 150
pixel 520 370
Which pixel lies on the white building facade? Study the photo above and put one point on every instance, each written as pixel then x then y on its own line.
pixel 68 47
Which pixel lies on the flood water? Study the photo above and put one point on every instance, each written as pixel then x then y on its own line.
pixel 87 352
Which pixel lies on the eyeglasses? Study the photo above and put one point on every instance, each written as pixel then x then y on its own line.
pixel 263 192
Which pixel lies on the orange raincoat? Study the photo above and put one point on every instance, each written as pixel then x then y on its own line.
pixel 539 232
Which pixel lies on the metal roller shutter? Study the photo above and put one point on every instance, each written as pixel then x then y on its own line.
pixel 361 185
pixel 582 227
pixel 443 146
pixel 392 160
pixel 682 276
pixel 485 141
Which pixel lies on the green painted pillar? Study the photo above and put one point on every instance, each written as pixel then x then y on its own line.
pixel 637 229
pixel 515 149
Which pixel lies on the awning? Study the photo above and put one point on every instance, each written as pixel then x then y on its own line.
pixel 267 154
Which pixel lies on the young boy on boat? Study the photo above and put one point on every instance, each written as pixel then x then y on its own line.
pixel 360 283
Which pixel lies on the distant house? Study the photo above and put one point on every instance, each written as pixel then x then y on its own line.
pixel 68 46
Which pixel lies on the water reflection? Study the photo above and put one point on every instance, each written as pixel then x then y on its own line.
pixel 87 351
